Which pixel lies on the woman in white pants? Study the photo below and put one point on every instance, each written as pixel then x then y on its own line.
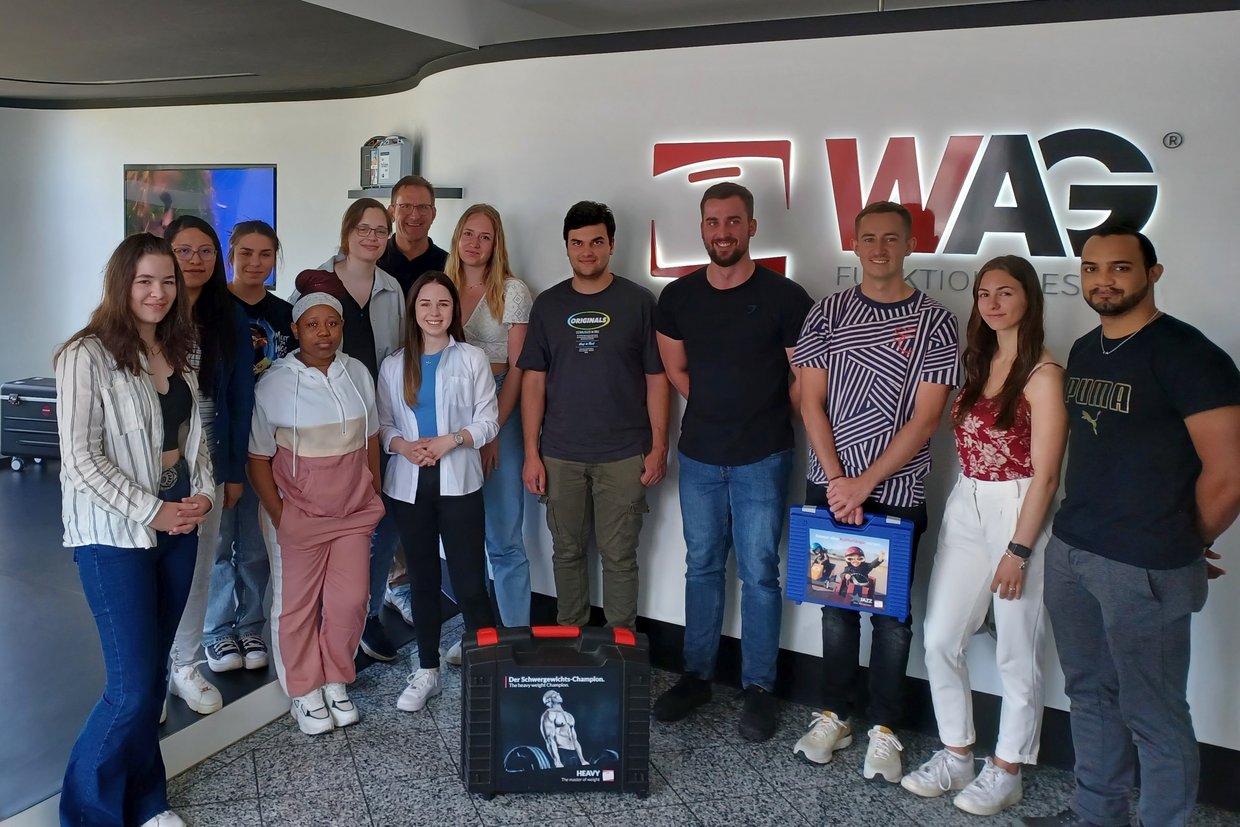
pixel 1010 426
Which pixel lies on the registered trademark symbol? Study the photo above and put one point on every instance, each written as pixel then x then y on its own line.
pixel 1173 140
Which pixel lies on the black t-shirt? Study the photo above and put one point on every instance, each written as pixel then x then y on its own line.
pixel 736 341
pixel 407 270
pixel 1132 469
pixel 271 332
pixel 359 334
pixel 596 350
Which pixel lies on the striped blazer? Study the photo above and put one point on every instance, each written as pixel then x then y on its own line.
pixel 111 440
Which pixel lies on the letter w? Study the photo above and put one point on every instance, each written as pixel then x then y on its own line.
pixel 898 168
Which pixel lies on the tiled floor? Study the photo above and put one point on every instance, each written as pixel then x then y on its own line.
pixel 397 768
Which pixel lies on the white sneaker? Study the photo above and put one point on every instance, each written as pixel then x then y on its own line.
pixel 423 685
pixel 311 714
pixel 454 656
pixel 343 710
pixel 827 733
pixel 400 599
pixel 944 771
pixel 882 756
pixel 165 819
pixel 188 684
pixel 993 790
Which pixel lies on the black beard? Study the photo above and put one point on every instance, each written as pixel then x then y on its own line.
pixel 1122 306
pixel 720 261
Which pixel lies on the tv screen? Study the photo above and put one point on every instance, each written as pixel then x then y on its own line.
pixel 220 194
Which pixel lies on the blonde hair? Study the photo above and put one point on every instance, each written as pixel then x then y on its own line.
pixel 497 269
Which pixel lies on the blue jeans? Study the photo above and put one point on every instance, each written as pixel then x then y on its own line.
pixel 742 506
pixel 382 550
pixel 504 496
pixel 890 638
pixel 115 776
pixel 239 574
pixel 1123 634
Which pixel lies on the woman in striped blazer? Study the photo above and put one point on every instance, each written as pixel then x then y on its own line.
pixel 136 482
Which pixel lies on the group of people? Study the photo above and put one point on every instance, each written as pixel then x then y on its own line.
pixel 215 437
pixel 1149 407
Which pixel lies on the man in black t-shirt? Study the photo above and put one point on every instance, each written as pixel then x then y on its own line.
pixel 410 251
pixel 1153 478
pixel 726 333
pixel 594 403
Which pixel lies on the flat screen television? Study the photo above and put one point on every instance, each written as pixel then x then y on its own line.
pixel 220 194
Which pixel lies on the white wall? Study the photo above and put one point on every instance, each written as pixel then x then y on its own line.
pixel 532 137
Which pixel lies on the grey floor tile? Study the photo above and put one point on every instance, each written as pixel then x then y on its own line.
pixel 568 821
pixel 710 773
pixel 308 767
pixel 338 807
pixel 380 717
pixel 767 810
pixel 223 782
pixel 441 802
pixel 544 808
pixel 223 814
pixel 857 804
pixel 661 795
pixel 416 754
pixel 383 679
pixel 193 775
pixel 691 733
pixel 445 709
pixel 679 815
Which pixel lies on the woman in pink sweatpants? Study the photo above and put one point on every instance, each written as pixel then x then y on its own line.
pixel 314 463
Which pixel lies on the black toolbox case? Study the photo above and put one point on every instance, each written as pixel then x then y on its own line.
pixel 555 709
pixel 28 421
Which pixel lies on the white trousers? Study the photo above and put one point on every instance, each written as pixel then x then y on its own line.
pixel 978 523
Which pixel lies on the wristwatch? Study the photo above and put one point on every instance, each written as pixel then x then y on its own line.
pixel 458 438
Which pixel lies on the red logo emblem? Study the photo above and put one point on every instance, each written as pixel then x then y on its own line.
pixel 674 156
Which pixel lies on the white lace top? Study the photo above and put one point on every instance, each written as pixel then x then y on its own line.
pixel 485 331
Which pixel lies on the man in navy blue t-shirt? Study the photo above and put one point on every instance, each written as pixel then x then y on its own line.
pixel 1153 478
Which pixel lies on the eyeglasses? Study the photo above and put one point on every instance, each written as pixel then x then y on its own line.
pixel 378 232
pixel 422 209
pixel 187 253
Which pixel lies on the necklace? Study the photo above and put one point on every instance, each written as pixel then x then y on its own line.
pixel 1102 342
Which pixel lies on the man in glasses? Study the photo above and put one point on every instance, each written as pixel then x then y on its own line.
pixel 410 251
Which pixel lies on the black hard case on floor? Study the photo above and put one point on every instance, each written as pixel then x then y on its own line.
pixel 28 420
pixel 527 689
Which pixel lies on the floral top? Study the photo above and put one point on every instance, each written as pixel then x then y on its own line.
pixel 987 453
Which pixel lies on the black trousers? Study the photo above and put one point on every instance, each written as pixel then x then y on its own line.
pixel 460 522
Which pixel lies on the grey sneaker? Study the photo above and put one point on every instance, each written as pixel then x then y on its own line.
pixel 994 790
pixel 827 733
pixel 944 771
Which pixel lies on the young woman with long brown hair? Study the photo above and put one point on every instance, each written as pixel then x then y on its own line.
pixel 137 482
pixel 1010 426
pixel 436 402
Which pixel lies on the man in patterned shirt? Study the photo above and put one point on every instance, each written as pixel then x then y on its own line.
pixel 878 362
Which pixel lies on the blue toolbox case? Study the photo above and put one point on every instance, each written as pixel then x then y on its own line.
pixel 810 528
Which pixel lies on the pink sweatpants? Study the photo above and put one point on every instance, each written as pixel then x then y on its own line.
pixel 319 596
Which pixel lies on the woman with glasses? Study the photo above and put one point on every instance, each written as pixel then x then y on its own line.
pixel 226 402
pixel 136 474
pixel 495 307
pixel 373 312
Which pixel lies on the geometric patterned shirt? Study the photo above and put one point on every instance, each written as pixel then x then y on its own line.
pixel 876 355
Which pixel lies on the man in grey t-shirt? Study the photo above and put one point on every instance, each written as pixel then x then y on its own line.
pixel 594 408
